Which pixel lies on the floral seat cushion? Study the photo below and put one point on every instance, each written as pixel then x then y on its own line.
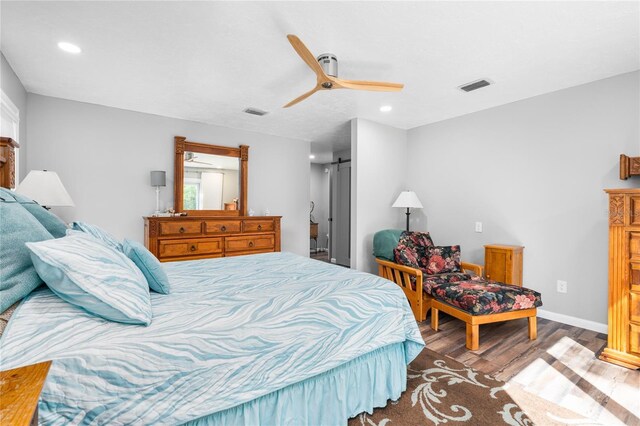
pixel 478 296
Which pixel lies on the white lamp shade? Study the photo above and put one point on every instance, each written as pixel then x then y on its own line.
pixel 45 188
pixel 407 199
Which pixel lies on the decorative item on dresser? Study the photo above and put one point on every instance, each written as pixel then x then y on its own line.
pixel 20 389
pixel 158 178
pixel 629 166
pixel 8 162
pixel 503 263
pixel 199 237
pixel 623 342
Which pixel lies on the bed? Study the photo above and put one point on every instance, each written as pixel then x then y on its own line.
pixel 263 339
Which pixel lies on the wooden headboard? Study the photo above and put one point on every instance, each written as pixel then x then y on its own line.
pixel 8 162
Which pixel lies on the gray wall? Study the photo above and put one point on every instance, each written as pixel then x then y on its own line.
pixel 12 87
pixel 320 196
pixel 103 156
pixel 533 172
pixel 378 175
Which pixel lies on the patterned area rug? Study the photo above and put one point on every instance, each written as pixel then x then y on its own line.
pixel 441 390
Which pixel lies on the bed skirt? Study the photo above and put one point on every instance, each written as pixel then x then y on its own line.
pixel 331 398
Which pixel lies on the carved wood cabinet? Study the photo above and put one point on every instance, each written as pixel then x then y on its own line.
pixel 8 162
pixel 200 237
pixel 623 344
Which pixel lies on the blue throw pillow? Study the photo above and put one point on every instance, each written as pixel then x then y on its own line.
pixel 148 264
pixel 18 277
pixel 91 275
pixel 50 221
pixel 98 233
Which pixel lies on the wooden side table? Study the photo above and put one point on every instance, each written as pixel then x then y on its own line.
pixel 503 263
pixel 20 389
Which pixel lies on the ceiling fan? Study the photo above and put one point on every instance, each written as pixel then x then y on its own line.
pixel 326 68
pixel 190 157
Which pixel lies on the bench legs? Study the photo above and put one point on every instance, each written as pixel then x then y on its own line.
pixel 533 327
pixel 434 318
pixel 473 322
pixel 473 337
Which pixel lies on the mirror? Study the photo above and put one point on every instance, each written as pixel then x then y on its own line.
pixel 210 179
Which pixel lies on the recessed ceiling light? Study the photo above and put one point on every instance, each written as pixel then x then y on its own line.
pixel 385 108
pixel 69 47
pixel 311 157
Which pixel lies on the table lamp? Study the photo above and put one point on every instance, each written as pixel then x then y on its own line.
pixel 158 179
pixel 45 188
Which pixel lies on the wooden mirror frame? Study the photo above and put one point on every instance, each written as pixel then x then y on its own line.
pixel 182 145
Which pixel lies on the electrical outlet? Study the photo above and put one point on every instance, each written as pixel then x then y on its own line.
pixel 478 226
pixel 562 286
pixel 333 260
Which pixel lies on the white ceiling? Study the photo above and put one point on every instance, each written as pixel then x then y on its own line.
pixel 207 61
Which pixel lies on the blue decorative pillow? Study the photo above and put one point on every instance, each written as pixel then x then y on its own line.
pixel 18 277
pixel 50 221
pixel 98 233
pixel 149 265
pixel 87 273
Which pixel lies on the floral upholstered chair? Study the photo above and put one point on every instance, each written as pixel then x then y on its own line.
pixel 433 277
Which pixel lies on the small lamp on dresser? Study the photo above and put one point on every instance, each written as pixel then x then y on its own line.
pixel 45 188
pixel 158 179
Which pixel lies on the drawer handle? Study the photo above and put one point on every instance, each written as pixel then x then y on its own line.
pixel 250 243
pixel 223 228
pixel 181 230
pixel 259 227
pixel 193 247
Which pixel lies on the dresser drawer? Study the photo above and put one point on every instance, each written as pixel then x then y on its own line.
pixel 250 242
pixel 634 338
pixel 190 247
pixel 222 226
pixel 258 225
pixel 187 227
pixel 634 307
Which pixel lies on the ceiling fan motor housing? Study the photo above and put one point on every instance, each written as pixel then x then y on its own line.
pixel 329 64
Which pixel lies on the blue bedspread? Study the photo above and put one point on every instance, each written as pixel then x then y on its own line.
pixel 234 329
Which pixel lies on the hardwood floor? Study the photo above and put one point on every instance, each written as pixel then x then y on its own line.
pixel 560 366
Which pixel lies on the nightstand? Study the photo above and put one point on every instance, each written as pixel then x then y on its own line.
pixel 503 263
pixel 20 389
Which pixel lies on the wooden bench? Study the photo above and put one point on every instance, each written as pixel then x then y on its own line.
pixel 421 302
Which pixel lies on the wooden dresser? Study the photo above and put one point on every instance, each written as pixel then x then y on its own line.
pixel 623 343
pixel 503 263
pixel 8 162
pixel 199 237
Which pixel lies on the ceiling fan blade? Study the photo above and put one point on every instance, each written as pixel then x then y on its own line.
pixel 377 86
pixel 302 98
pixel 306 55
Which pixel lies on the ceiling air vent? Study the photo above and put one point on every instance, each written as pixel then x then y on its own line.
pixel 255 111
pixel 474 85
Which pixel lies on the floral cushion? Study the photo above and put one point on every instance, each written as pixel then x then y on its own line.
pixel 443 259
pixel 412 249
pixel 478 296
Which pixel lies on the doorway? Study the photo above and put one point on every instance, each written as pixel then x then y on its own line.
pixel 340 213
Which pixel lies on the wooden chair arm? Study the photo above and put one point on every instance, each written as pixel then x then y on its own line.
pixel 401 275
pixel 476 269
pixel 410 281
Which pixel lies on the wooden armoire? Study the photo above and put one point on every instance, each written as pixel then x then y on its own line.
pixel 623 345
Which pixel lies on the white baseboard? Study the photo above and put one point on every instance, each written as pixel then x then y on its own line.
pixel 577 322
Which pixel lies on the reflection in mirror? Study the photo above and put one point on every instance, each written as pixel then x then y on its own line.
pixel 211 182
